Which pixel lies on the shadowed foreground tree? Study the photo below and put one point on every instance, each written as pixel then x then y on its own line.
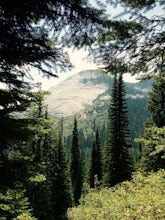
pixel 33 37
pixel 33 34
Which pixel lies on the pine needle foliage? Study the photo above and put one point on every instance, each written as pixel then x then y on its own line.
pixel 62 196
pixel 95 173
pixel 156 103
pixel 75 166
pixel 117 160
pixel 14 204
pixel 153 138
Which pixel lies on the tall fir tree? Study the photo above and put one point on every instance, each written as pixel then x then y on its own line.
pixel 111 136
pixel 117 161
pixel 96 162
pixel 49 185
pixel 39 147
pixel 75 167
pixel 62 197
pixel 156 102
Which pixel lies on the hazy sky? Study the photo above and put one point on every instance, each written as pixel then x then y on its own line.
pixel 80 61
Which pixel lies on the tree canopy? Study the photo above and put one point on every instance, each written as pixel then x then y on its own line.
pixel 134 38
pixel 34 32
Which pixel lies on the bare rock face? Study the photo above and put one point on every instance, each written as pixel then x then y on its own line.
pixel 87 88
pixel 74 93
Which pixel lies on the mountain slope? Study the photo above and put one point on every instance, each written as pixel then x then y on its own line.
pixel 87 88
pixel 73 94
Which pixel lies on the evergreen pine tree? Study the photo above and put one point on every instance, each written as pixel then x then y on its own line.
pixel 96 164
pixel 75 167
pixel 14 204
pixel 117 162
pixel 111 137
pixel 49 185
pixel 62 197
pixel 153 149
pixel 156 103
pixel 38 183
pixel 153 138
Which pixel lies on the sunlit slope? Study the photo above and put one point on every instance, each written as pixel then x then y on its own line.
pixel 73 94
pixel 86 88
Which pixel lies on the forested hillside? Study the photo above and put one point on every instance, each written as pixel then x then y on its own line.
pixel 45 174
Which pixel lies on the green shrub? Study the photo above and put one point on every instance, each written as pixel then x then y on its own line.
pixel 14 205
pixel 141 198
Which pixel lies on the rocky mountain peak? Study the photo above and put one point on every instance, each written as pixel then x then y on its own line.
pixel 74 93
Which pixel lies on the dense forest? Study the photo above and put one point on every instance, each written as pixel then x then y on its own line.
pixel 41 177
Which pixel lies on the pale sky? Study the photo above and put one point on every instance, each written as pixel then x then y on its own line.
pixel 80 61
pixel 79 57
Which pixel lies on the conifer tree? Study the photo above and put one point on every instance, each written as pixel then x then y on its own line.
pixel 96 163
pixel 117 162
pixel 62 197
pixel 49 188
pixel 110 136
pixel 39 147
pixel 14 204
pixel 128 42
pixel 153 149
pixel 153 138
pixel 75 167
pixel 40 124
pixel 156 103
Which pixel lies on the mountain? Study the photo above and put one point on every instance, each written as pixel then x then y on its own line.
pixel 86 94
pixel 73 94
pixel 84 88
